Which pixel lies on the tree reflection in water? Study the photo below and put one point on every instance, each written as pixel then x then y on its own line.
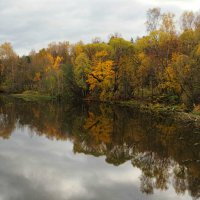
pixel 167 153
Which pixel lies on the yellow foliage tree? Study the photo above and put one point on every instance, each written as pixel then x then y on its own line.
pixel 102 75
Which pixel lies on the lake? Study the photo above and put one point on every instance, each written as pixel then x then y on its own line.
pixel 83 151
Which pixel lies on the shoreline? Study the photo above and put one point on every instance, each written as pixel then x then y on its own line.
pixel 176 112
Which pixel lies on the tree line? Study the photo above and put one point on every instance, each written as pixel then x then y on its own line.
pixel 163 65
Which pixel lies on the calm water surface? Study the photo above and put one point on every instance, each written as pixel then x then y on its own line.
pixel 98 152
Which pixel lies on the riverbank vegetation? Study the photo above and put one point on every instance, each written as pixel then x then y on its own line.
pixel 161 67
pixel 33 96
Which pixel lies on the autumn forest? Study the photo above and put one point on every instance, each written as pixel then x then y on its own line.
pixel 162 66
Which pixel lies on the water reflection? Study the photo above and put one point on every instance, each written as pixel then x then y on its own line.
pixel 163 160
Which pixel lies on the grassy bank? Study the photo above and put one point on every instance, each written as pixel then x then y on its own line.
pixel 177 112
pixel 33 96
pixel 146 106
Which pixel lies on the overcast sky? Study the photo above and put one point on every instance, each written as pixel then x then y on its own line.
pixel 32 24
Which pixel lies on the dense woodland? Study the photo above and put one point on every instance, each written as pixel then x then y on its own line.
pixel 163 66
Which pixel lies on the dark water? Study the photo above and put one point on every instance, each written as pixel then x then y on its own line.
pixel 99 152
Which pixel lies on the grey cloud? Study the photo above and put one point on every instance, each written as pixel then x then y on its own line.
pixel 34 23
